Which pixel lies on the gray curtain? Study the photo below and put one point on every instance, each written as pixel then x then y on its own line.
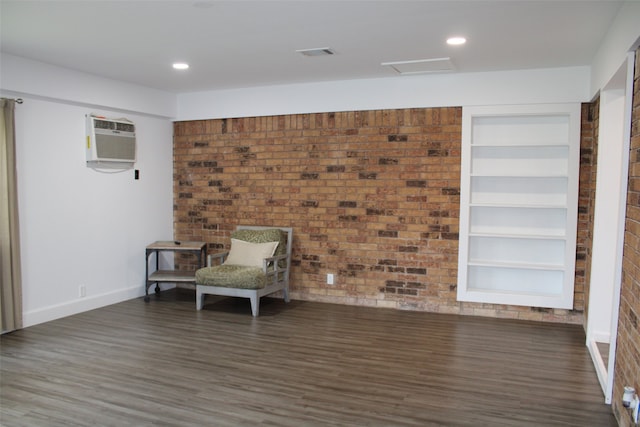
pixel 10 275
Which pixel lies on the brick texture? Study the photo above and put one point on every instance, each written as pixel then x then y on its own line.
pixel 373 197
pixel 627 369
pixel 586 201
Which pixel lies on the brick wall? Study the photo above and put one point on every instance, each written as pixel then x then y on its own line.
pixel 586 202
pixel 627 369
pixel 372 196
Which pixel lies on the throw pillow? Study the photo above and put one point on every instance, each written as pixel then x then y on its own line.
pixel 249 254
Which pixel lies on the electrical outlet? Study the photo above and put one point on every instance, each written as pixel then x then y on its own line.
pixel 82 291
pixel 329 279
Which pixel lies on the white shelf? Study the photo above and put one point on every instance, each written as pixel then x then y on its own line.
pixel 501 251
pixel 536 236
pixel 519 192
pixel 519 125
pixel 491 296
pixel 516 280
pixel 521 266
pixel 495 174
pixel 517 206
pixel 519 161
pixel 529 145
pixel 517 220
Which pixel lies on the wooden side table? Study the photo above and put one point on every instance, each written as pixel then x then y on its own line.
pixel 158 276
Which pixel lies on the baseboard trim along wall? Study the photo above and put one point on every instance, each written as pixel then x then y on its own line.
pixel 80 305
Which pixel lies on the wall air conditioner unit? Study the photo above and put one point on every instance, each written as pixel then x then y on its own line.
pixel 111 143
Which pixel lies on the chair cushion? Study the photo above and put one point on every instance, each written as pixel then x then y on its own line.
pixel 231 276
pixel 249 254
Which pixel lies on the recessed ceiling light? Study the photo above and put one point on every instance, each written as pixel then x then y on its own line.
pixel 180 65
pixel 456 41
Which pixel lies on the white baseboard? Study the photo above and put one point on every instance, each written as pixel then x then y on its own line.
pixel 599 365
pixel 79 305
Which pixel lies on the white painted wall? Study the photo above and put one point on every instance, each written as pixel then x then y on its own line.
pixel 78 226
pixel 27 77
pixel 559 85
pixel 609 182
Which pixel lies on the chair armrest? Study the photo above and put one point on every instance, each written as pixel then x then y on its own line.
pixel 274 260
pixel 272 269
pixel 219 257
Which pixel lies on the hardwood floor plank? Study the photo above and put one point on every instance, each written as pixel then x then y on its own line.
pixel 298 364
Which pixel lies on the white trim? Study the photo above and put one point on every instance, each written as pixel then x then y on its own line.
pixel 599 365
pixel 617 284
pixel 608 242
pixel 80 305
pixel 538 86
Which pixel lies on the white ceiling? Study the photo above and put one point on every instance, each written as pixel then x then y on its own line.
pixel 232 44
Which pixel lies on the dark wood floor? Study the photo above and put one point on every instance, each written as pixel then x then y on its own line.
pixel 298 364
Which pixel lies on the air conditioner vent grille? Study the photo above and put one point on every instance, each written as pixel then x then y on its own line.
pixel 110 143
pixel 115 147
pixel 113 125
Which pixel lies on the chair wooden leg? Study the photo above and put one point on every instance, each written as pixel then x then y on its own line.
pixel 285 293
pixel 255 305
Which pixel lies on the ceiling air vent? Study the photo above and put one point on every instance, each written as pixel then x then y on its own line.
pixel 319 51
pixel 421 66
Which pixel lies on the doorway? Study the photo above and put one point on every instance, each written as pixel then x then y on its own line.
pixel 609 221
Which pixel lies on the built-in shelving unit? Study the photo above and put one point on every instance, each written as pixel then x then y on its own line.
pixel 519 198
